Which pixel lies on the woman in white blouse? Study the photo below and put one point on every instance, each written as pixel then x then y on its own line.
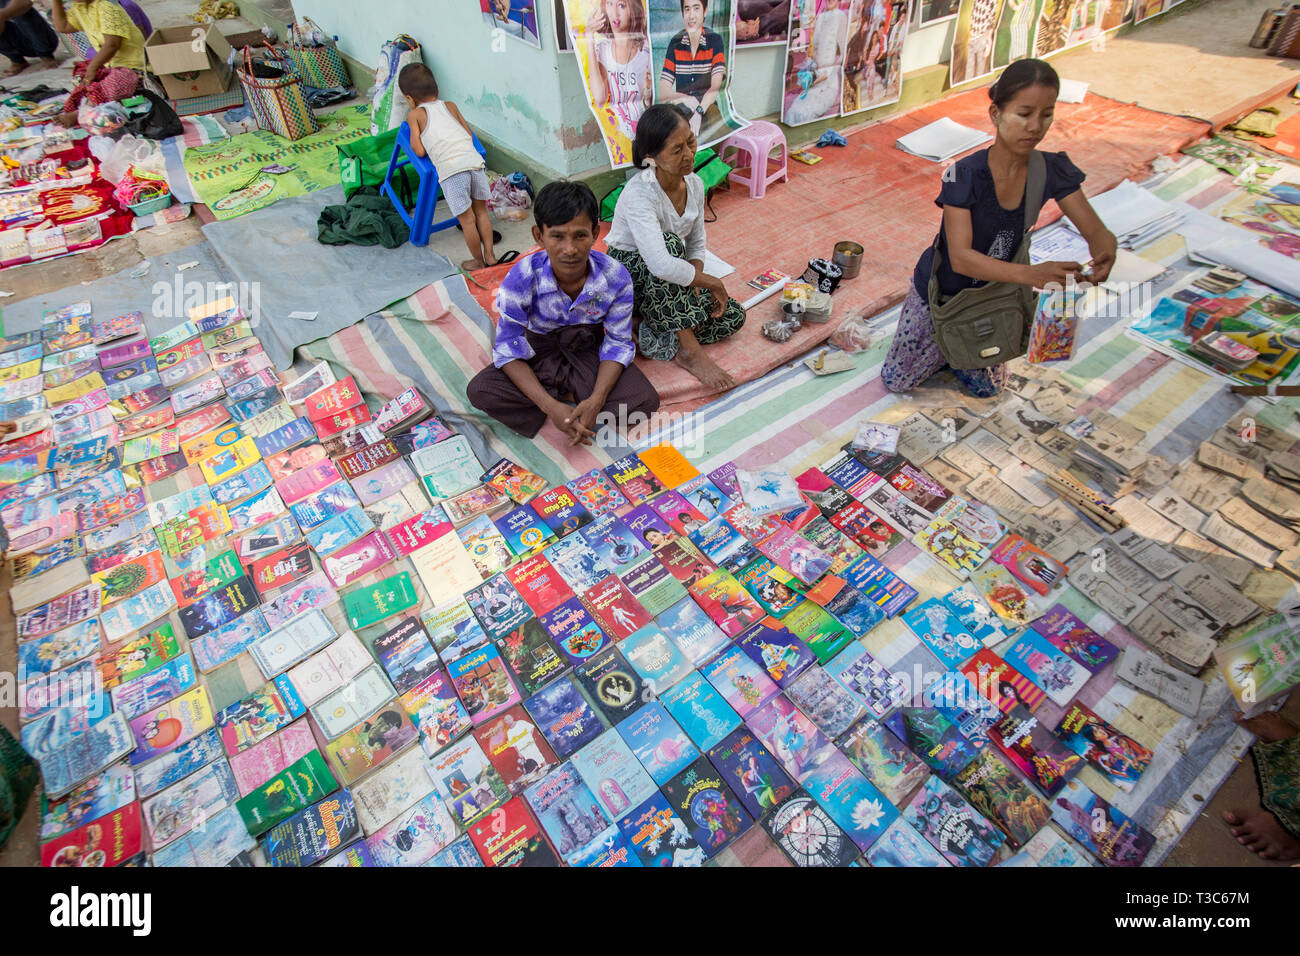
pixel 658 234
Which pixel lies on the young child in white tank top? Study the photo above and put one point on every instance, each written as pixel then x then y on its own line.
pixel 439 132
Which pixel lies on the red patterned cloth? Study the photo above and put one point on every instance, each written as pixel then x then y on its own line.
pixel 110 85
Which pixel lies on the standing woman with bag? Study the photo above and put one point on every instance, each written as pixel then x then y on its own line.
pixel 982 278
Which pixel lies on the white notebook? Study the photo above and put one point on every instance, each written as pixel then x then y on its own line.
pixel 942 140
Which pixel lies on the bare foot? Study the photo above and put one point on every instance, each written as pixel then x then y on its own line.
pixel 1260 833
pixel 704 368
pixel 14 68
pixel 469 265
pixel 47 63
pixel 1269 726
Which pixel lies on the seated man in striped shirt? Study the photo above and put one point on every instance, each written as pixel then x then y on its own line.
pixel 564 346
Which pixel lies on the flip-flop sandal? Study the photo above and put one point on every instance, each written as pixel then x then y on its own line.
pixel 510 256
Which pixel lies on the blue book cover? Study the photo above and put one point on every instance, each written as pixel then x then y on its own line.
pixel 325 504
pixel 742 682
pixel 578 563
pixel 707 805
pixel 613 773
pixel 880 585
pixel 459 853
pixel 574 631
pixel 662 747
pixel 825 701
pixel 614 542
pixel 952 826
pixel 976 616
pixel 705 496
pixel 807 835
pixel 854 610
pixel 658 836
pixel 720 540
pixel 250 481
pixel 941 631
pixel 934 738
pixel 313 833
pixel 700 710
pixel 568 812
pixel 609 849
pixel 498 606
pixel 692 631
pixel 193 755
pixel 779 652
pixel 901 845
pixel 851 800
pixel 1056 672
pixel 155 688
pixel 564 716
pixel 339 531
pixel 354 854
pixel 954 696
pixel 253 405
pixel 849 473
pixel 523 530
pixel 866 679
pixel 752 772
pixel 285 437
pixel 656 659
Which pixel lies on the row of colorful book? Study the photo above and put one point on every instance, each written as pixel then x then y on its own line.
pixel 634 667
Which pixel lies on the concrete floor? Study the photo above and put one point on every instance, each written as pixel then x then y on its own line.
pixel 1195 61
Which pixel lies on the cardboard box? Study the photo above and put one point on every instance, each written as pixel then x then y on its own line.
pixel 189 61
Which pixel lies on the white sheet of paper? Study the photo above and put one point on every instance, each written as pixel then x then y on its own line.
pixel 716 267
pixel 1071 91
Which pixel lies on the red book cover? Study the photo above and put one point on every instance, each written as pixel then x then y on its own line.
pixel 1001 683
pixel 867 530
pixel 616 609
pixel 283 567
pixel 538 583
pixel 108 841
pixel 200 422
pixel 509 836
pixel 414 533
pixel 753 527
pixel 560 510
pixel 334 424
pixel 156 469
pixel 516 748
pixel 358 559
pixel 684 563
pixel 333 399
pixel 368 459
pixel 680 515
pixel 307 481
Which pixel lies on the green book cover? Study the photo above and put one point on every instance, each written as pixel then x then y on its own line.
pixel 824 635
pixel 372 604
pixel 296 787
pixel 1262 663
pixel 216 574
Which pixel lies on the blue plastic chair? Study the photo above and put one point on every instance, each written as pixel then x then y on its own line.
pixel 420 219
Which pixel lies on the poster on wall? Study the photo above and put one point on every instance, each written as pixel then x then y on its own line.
pixel 1063 24
pixel 936 11
pixel 973 40
pixel 1146 9
pixel 814 61
pixel 612 43
pixel 762 22
pixel 515 18
pixel 873 71
pixel 1015 36
pixel 691 41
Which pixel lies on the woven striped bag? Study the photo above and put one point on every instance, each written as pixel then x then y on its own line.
pixel 320 66
pixel 274 93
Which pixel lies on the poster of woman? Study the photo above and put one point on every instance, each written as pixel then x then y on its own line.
pixel 973 40
pixel 612 43
pixel 873 74
pixel 762 22
pixel 691 42
pixel 814 61
pixel 515 18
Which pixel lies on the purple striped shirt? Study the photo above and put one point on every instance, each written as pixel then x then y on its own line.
pixel 530 300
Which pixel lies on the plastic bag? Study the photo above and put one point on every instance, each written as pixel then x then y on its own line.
pixel 127 152
pixel 101 119
pixel 782 329
pixel 854 334
pixel 508 202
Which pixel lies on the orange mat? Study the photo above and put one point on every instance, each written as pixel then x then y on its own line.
pixel 875 194
pixel 1287 140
